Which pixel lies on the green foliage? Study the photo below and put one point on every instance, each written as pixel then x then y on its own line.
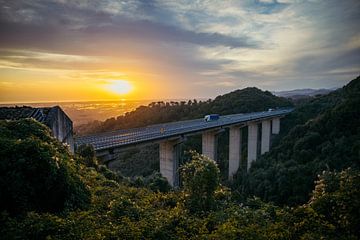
pixel 337 197
pixel 327 141
pixel 200 178
pixel 120 211
pixel 145 209
pixel 301 223
pixel 116 176
pixel 125 207
pixel 37 172
pixel 86 153
pixel 156 182
pixel 142 161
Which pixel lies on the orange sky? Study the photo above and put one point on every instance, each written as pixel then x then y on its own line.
pixel 75 50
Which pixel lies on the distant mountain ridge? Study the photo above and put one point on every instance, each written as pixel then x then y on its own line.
pixel 245 100
pixel 302 93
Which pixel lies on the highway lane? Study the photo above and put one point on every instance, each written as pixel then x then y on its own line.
pixel 167 130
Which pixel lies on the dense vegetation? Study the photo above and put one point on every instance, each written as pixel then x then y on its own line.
pixel 37 173
pixel 325 136
pixel 203 209
pixel 48 193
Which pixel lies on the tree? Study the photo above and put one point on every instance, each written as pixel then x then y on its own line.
pixel 201 178
pixel 325 135
pixel 87 154
pixel 37 173
pixel 337 197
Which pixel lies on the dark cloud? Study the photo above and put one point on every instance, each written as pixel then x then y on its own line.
pixel 328 63
pixel 265 7
pixel 61 27
pixel 153 33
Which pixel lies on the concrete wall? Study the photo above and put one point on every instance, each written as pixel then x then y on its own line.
pixel 234 150
pixel 252 143
pixel 265 136
pixel 61 126
pixel 169 152
pixel 275 125
pixel 209 144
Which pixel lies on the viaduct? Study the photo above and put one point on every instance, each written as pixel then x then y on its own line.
pixel 169 136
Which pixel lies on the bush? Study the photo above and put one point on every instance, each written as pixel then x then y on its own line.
pixel 87 155
pixel 201 178
pixel 157 182
pixel 111 175
pixel 337 197
pixel 125 207
pixel 37 173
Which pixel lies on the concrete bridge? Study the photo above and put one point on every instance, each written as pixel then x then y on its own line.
pixel 171 135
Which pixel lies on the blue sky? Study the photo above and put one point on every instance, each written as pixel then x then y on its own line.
pixel 184 48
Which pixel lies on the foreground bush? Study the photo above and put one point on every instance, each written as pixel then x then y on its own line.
pixel 337 197
pixel 201 177
pixel 37 172
pixel 118 210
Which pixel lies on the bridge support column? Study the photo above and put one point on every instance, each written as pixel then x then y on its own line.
pixel 234 150
pixel 275 125
pixel 209 144
pixel 252 143
pixel 265 136
pixel 169 152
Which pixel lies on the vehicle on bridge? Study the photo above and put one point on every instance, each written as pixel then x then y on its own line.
pixel 211 117
pixel 170 135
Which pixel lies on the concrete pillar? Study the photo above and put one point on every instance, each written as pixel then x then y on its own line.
pixel 265 136
pixel 275 125
pixel 209 144
pixel 169 161
pixel 252 143
pixel 234 150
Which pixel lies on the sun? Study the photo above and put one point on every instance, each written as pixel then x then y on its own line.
pixel 120 86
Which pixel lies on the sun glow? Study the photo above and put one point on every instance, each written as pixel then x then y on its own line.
pixel 120 87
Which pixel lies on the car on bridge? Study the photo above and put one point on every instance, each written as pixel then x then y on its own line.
pixel 211 117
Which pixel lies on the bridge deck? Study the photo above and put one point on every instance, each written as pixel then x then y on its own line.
pixel 120 138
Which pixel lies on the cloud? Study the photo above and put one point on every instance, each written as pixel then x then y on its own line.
pixel 20 27
pixel 25 59
pixel 277 44
pixel 266 6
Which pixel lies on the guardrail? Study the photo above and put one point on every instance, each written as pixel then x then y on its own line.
pixel 120 138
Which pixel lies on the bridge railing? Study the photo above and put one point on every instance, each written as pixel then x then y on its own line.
pixel 166 130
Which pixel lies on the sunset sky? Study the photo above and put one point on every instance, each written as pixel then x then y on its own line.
pixel 62 50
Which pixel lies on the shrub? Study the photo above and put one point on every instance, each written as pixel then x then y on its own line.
pixel 337 197
pixel 201 178
pixel 37 172
pixel 87 155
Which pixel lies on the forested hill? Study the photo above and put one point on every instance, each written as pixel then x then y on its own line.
pixel 239 101
pixel 324 135
pixel 48 193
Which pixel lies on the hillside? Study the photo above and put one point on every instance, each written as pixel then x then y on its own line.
pixel 143 161
pixel 100 204
pixel 37 172
pixel 321 135
pixel 239 101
